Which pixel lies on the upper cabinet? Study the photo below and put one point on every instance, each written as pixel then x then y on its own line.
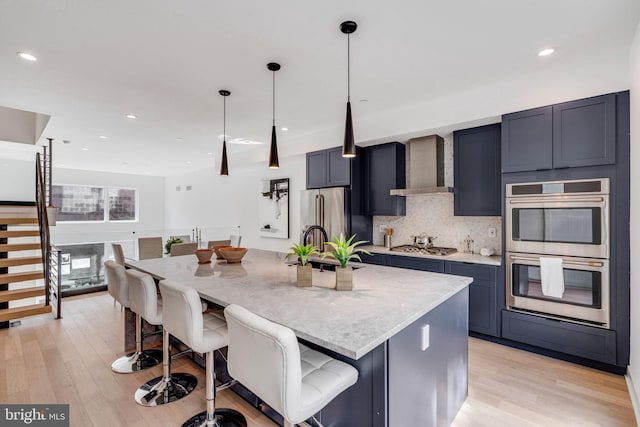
pixel 384 170
pixel 571 134
pixel 327 168
pixel 476 157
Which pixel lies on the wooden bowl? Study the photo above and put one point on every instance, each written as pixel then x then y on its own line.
pixel 233 255
pixel 204 255
pixel 217 250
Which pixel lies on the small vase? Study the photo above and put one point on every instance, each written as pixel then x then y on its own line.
pixel 304 276
pixel 344 279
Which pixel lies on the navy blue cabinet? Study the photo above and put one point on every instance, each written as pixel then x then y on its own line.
pixel 584 132
pixel 327 168
pixel 385 171
pixel 572 134
pixel 476 157
pixel 527 140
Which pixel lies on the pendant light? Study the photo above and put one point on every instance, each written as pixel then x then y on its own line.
pixel 224 168
pixel 349 146
pixel 273 151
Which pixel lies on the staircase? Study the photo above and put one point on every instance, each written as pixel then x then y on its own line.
pixel 22 271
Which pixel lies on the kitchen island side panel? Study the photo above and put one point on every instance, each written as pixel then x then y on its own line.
pixel 428 387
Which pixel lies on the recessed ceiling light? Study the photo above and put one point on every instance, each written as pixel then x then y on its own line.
pixel 66 141
pixel 85 149
pixel 284 129
pixel 131 116
pixel 125 163
pixel 209 154
pixel 27 56
pixel 364 100
pixel 102 137
pixel 179 139
pixel 546 52
pixel 188 162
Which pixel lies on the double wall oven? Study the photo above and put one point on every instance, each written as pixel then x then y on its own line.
pixel 557 249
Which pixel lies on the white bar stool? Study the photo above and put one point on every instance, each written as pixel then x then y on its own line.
pixel 118 288
pixel 205 334
pixel 170 386
pixel 294 380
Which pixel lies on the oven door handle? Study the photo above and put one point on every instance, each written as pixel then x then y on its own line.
pixel 585 263
pixel 549 200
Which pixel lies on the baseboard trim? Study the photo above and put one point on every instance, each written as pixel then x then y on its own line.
pixel 633 394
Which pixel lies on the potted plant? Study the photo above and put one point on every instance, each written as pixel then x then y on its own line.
pixel 303 269
pixel 343 251
pixel 167 246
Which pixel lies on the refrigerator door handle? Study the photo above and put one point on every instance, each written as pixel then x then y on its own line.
pixel 321 211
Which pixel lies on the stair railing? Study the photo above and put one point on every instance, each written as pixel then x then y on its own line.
pixel 51 288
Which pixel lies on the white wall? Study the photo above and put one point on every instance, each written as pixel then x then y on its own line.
pixel 219 204
pixel 17 180
pixel 151 215
pixel 634 362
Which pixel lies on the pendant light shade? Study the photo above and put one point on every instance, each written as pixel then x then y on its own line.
pixel 224 167
pixel 349 145
pixel 273 150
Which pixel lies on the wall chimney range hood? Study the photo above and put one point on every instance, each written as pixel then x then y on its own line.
pixel 426 167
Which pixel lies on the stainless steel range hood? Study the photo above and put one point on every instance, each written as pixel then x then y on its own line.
pixel 426 167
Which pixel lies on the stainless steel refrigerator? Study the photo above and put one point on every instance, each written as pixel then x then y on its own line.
pixel 328 208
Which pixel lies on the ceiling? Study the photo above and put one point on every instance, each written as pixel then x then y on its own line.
pixel 417 66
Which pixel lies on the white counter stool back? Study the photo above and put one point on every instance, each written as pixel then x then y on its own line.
pixel 118 287
pixel 205 334
pixel 170 386
pixel 294 380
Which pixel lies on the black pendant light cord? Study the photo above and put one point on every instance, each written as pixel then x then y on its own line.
pixel 274 98
pixel 348 68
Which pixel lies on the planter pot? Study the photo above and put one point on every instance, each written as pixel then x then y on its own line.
pixel 304 276
pixel 344 279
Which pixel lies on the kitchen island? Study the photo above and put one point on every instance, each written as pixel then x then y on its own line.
pixel 405 331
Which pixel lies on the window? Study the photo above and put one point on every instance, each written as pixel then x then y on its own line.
pixel 87 203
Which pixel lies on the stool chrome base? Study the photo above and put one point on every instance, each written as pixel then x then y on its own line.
pixel 223 418
pixel 138 361
pixel 163 390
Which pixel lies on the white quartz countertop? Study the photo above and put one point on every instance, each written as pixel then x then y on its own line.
pixel 384 300
pixel 457 256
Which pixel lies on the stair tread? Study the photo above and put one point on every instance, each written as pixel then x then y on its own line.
pixel 19 233
pixel 17 220
pixel 16 294
pixel 9 247
pixel 19 312
pixel 13 262
pixel 21 277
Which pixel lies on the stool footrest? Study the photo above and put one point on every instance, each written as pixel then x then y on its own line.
pixel 226 385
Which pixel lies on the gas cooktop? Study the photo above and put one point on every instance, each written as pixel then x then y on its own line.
pixel 434 250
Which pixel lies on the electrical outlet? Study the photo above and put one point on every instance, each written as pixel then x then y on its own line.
pixel 382 227
pixel 425 337
pixel 492 232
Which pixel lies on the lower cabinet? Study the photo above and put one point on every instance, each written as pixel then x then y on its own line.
pixel 484 313
pixel 570 338
pixel 483 295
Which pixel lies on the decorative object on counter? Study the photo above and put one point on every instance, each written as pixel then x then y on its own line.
pixel 487 252
pixel 196 236
pixel 204 255
pixel 343 252
pixel 303 273
pixel 388 232
pixel 224 168
pixel 233 255
pixel 167 246
pixel 468 244
pixel 216 249
pixel 273 208
pixel 349 146
pixel 273 151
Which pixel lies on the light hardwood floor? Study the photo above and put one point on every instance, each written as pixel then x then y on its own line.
pixel 68 361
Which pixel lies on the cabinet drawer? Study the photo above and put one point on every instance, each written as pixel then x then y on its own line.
pixel 378 259
pixel 424 264
pixel 477 271
pixel 578 340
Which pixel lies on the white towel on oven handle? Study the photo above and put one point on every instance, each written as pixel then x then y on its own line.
pixel 552 277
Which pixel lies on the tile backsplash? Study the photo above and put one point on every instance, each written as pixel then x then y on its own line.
pixel 433 215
